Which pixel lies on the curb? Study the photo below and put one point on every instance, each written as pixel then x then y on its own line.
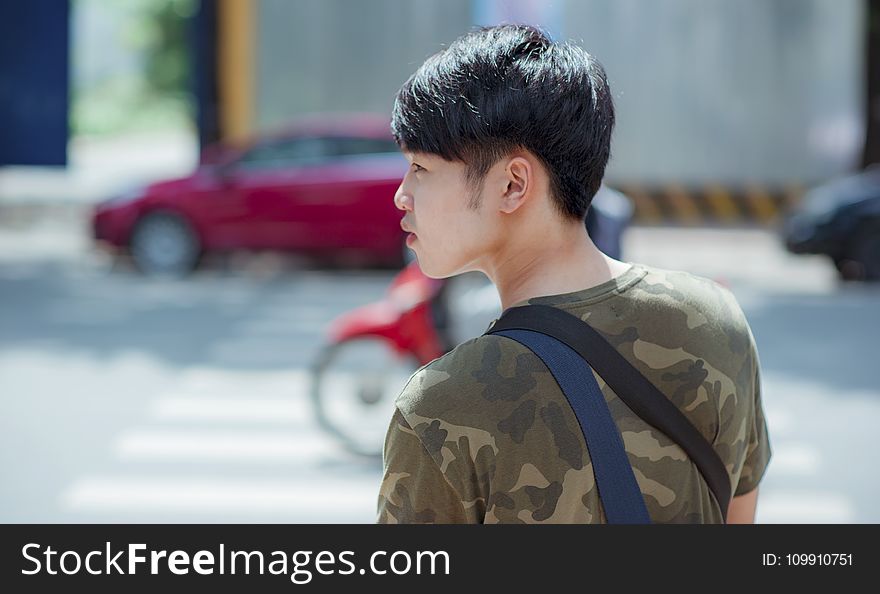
pixel 711 203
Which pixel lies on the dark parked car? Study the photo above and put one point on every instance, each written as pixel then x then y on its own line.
pixel 608 217
pixel 841 219
pixel 324 187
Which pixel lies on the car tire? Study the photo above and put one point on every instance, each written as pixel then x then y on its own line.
pixel 404 257
pixel 847 270
pixel 863 255
pixel 165 244
pixel 407 256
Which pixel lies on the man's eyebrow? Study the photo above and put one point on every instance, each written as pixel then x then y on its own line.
pixel 423 158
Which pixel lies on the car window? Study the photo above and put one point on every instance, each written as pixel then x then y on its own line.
pixel 353 146
pixel 281 154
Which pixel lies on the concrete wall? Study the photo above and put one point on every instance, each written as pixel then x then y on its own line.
pixel 345 55
pixel 768 91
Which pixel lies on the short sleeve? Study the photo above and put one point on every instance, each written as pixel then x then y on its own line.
pixel 413 489
pixel 758 452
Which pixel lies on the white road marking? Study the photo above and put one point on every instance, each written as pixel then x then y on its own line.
pixel 316 500
pixel 260 447
pixel 205 408
pixel 795 458
pixel 804 507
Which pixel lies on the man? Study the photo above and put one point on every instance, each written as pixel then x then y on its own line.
pixel 508 135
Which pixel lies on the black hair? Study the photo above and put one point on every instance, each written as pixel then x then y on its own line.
pixel 497 89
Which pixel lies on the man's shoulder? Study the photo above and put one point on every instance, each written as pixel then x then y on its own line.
pixel 677 318
pixel 684 285
pixel 480 370
pixel 703 300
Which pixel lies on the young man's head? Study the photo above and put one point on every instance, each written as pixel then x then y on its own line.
pixel 504 128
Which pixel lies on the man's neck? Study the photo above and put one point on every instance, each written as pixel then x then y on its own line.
pixel 565 264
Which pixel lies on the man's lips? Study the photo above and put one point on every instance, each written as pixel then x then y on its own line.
pixel 411 237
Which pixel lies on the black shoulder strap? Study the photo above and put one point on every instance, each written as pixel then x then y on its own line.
pixel 642 397
pixel 622 499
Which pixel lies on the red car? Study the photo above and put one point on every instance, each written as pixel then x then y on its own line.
pixel 324 187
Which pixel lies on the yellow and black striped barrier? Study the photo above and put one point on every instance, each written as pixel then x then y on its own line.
pixel 711 203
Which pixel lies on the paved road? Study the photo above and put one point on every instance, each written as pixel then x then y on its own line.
pixel 133 399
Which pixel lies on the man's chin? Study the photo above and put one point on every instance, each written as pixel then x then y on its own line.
pixel 430 269
pixel 430 274
pixel 435 272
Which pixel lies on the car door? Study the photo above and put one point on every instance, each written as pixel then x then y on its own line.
pixel 356 187
pixel 268 187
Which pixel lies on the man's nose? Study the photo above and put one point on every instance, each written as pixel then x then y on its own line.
pixel 402 199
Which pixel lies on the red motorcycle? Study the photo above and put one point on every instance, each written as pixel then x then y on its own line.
pixel 371 352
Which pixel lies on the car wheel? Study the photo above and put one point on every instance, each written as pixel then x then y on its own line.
pixel 863 255
pixel 403 258
pixel 847 269
pixel 408 256
pixel 165 244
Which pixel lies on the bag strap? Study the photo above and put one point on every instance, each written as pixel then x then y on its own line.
pixel 620 494
pixel 639 394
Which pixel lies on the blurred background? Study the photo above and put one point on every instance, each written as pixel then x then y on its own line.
pixel 206 301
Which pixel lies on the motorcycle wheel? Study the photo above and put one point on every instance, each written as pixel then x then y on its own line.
pixel 354 384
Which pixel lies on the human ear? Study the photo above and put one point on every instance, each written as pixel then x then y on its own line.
pixel 518 179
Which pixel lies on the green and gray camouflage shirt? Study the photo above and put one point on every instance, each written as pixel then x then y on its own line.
pixel 484 434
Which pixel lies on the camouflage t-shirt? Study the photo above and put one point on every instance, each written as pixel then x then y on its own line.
pixel 484 434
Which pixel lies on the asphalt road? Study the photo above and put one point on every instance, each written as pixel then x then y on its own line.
pixel 128 399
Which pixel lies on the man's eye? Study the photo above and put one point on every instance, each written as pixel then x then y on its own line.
pixel 418 167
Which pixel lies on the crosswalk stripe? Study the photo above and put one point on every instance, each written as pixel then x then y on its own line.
pixel 780 420
pixel 209 381
pixel 255 447
pixel 204 408
pixel 795 458
pixel 810 507
pixel 318 499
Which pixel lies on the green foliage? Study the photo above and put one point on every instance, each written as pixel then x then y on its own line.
pixel 154 95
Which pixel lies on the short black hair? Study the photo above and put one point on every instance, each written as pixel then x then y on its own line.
pixel 497 89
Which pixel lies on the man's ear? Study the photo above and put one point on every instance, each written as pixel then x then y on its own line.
pixel 519 177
